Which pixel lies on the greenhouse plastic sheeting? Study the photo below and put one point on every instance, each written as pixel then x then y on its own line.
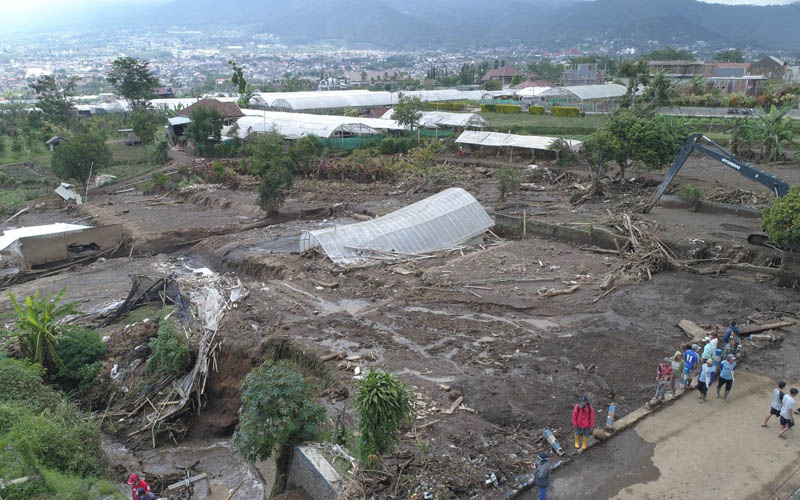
pixel 497 139
pixel 441 221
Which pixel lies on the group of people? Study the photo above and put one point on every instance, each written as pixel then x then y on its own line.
pixel 782 406
pixel 717 361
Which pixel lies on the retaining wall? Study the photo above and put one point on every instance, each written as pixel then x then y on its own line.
pixel 311 471
pixel 513 226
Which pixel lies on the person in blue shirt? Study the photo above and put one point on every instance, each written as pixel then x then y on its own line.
pixel 690 358
pixel 726 375
pixel 731 329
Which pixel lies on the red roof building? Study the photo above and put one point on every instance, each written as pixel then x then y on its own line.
pixel 505 74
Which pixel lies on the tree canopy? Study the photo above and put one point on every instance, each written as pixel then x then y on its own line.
pixel 669 54
pixel 781 219
pixel 145 125
pixel 730 56
pixel 206 127
pixel 80 156
pixel 133 80
pixel 54 96
pixel 408 111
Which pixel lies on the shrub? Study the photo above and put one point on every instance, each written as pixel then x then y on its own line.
pixel 170 352
pixel 275 183
pixel 278 409
pixel 22 385
pixel 395 145
pixel 158 152
pixel 384 404
pixel 160 180
pixel 536 110
pixel 565 156
pixel 507 108
pixel 781 220
pixel 568 111
pixel 507 181
pixel 80 349
pixel 691 194
pixel 488 107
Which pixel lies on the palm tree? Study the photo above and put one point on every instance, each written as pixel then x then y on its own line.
pixel 739 131
pixel 697 85
pixel 775 129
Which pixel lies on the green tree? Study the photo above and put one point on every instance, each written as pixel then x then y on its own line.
pixel 643 140
pixel 598 150
pixel 775 130
pixel 546 70
pixel 146 124
pixel 278 410
pixel 383 403
pixel 507 181
pixel 781 220
pixel 206 127
pixel 81 156
pixel 740 131
pixel 516 80
pixel 697 85
pixel 303 152
pixel 351 111
pixel 669 54
pixel 245 90
pixel 158 153
pixel 276 181
pixel 80 350
pixel 730 56
pixel 637 74
pixel 54 95
pixel 408 111
pixel 264 149
pixel 38 327
pixel 133 80
pixel 170 352
pixel 661 90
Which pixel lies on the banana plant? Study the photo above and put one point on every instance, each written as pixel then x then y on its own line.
pixel 775 129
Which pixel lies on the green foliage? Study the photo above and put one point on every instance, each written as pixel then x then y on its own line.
pixel 54 95
pixel 516 80
pixel 730 56
pixel 170 351
pixel 536 110
pixel 146 124
pixel 424 157
pixel 394 145
pixel 661 90
pixel 691 194
pixel 445 106
pixel 669 54
pixel 79 156
pixel 565 111
pixel 781 220
pixel 303 152
pixel 205 129
pixel 599 149
pixel 278 409
pixel 643 140
pixel 22 386
pixel 408 111
pixel 275 183
pixel 265 149
pixel 158 152
pixel 160 180
pixel 493 85
pixel 133 80
pixel 488 107
pixel 507 181
pixel 741 133
pixel 383 403
pixel 81 351
pixel 506 108
pixel 565 156
pixel 775 130
pixel 38 327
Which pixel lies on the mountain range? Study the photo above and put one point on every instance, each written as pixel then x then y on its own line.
pixel 476 23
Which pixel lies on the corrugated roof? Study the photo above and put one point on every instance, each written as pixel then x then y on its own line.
pixel 497 139
pixel 179 120
pixel 338 99
pixel 586 92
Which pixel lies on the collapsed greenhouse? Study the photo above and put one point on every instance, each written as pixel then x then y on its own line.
pixel 437 119
pixel 444 220
pixel 497 139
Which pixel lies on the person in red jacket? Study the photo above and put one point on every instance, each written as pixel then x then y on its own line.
pixel 135 483
pixel 583 421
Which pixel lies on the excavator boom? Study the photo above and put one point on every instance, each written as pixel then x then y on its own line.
pixel 695 142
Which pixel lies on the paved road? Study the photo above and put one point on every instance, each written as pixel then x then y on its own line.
pixel 714 451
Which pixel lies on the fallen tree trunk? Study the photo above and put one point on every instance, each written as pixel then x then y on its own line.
pixel 746 330
pixel 692 329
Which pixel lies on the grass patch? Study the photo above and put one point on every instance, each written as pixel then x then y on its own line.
pixel 151 311
pixel 528 124
pixel 129 161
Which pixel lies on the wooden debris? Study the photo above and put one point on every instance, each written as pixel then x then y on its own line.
pixel 553 292
pixel 326 284
pixel 599 297
pixel 186 482
pixel 692 330
pixel 124 191
pixel 333 355
pixel 402 271
pixel 354 357
pixel 455 405
pixel 233 492
pixel 746 330
pixel 17 214
pixel 445 388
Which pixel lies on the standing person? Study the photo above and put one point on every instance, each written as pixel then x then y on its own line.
pixel 663 378
pixel 690 358
pixel 787 417
pixel 583 421
pixel 777 402
pixel 541 475
pixel 732 345
pixel 135 482
pixel 677 369
pixel 708 350
pixel 705 379
pixel 732 329
pixel 726 375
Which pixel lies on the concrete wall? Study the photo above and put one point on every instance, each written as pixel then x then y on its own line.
pixel 311 471
pixel 511 225
pixel 45 249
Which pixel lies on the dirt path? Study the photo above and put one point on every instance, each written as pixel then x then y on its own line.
pixel 687 450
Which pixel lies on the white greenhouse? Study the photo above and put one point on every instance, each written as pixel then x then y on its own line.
pixel 436 119
pixel 444 220
pixel 296 125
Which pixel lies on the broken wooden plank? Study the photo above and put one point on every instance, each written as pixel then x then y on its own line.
pixel 453 407
pixel 692 329
pixel 333 355
pixel 187 482
pixel 553 292
pixel 746 330
pixel 17 214
pixel 124 191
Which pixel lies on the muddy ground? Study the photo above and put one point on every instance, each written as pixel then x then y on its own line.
pixel 476 320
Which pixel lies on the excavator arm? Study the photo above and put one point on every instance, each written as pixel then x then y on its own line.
pixel 702 144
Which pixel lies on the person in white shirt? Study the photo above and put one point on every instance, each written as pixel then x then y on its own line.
pixel 787 412
pixel 777 402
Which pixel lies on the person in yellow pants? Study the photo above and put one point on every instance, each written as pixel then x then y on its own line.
pixel 583 421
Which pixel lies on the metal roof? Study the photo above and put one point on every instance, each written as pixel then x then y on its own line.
pixel 179 120
pixel 497 139
pixel 337 99
pixel 434 119
pixel 587 92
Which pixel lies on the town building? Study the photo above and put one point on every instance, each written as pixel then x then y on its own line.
pixel 770 67
pixel 504 74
